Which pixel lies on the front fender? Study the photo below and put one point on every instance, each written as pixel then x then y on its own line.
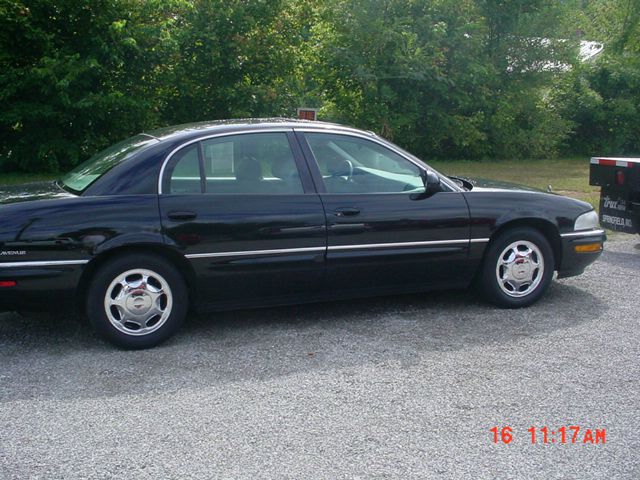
pixel 490 210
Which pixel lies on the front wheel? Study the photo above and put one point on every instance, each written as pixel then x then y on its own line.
pixel 518 268
pixel 137 301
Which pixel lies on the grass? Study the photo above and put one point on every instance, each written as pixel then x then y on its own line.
pixel 568 176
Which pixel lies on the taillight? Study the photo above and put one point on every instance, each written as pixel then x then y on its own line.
pixel 7 283
pixel 619 177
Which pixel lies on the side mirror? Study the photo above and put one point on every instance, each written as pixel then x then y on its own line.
pixel 431 182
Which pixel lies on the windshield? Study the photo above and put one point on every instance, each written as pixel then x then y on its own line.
pixel 79 179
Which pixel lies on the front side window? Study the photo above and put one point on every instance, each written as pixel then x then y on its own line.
pixel 257 163
pixel 355 165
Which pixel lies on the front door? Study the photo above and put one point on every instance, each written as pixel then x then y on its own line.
pixel 239 208
pixel 383 231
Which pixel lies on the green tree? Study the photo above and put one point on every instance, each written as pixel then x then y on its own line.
pixel 446 78
pixel 234 59
pixel 602 98
pixel 77 75
pixel 65 82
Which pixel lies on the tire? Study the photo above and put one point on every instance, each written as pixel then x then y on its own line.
pixel 137 301
pixel 518 268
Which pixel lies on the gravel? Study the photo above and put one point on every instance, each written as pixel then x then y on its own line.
pixel 394 387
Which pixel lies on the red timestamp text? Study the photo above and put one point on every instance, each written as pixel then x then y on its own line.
pixel 564 434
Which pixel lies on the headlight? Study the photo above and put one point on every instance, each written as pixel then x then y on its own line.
pixel 587 221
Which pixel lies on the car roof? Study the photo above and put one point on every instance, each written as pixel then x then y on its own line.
pixel 188 130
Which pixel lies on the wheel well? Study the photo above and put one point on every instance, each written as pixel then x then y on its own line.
pixel 177 260
pixel 545 227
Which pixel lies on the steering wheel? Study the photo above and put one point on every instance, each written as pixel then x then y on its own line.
pixel 350 174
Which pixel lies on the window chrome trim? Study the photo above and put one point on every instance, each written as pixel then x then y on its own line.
pixel 277 251
pixel 380 141
pixel 43 263
pixel 585 233
pixel 214 135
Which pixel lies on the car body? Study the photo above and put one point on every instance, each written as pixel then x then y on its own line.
pixel 249 213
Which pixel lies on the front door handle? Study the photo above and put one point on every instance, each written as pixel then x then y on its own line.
pixel 182 215
pixel 346 212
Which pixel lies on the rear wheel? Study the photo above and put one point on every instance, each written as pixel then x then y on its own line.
pixel 518 268
pixel 137 301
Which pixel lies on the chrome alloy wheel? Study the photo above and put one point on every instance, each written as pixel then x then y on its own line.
pixel 138 302
pixel 520 269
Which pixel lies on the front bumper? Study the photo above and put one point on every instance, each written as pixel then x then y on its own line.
pixel 573 262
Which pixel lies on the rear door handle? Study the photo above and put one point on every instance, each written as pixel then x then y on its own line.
pixel 346 212
pixel 183 215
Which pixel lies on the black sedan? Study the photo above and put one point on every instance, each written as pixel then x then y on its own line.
pixel 263 212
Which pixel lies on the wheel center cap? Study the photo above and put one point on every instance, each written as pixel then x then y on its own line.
pixel 521 269
pixel 138 303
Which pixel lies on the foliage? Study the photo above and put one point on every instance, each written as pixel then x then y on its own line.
pixel 234 59
pixel 77 75
pixel 443 78
pixel 447 78
pixel 65 83
pixel 602 99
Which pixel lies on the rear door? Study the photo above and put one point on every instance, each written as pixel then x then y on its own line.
pixel 245 214
pixel 383 232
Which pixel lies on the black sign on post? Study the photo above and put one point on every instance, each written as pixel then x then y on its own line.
pixel 615 213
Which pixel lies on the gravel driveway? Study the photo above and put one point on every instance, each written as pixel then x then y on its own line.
pixel 395 387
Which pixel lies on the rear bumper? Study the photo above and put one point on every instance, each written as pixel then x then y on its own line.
pixel 39 287
pixel 573 263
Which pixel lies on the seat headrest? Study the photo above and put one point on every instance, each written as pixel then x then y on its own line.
pixel 284 169
pixel 338 167
pixel 248 169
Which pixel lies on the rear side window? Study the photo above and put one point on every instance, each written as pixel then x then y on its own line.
pixel 185 174
pixel 257 163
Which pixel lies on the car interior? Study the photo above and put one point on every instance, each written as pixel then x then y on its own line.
pixel 240 164
pixel 264 164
